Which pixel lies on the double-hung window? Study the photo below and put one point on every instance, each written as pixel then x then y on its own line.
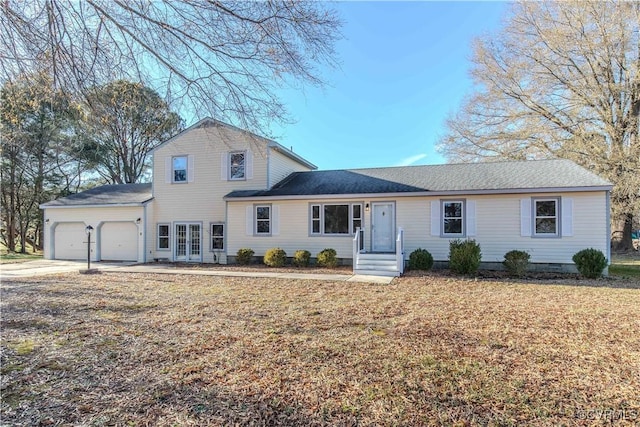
pixel 263 219
pixel 335 219
pixel 237 165
pixel 545 217
pixel 217 237
pixel 453 218
pixel 163 236
pixel 179 167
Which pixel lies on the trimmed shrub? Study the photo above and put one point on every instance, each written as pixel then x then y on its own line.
pixel 301 258
pixel 327 258
pixel 275 257
pixel 590 262
pixel 244 256
pixel 516 262
pixel 464 256
pixel 420 259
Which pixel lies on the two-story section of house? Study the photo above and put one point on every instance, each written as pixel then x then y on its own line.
pixel 193 172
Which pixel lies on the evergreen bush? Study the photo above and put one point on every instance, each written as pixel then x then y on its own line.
pixel 516 262
pixel 244 256
pixel 464 256
pixel 327 258
pixel 590 262
pixel 420 259
pixel 275 257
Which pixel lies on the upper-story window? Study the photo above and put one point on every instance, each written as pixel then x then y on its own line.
pixel 179 166
pixel 237 165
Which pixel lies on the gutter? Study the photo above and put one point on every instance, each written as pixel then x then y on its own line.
pixel 421 193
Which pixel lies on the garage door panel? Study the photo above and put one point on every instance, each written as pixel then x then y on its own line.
pixel 119 241
pixel 70 241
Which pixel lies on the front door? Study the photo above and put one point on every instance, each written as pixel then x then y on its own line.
pixel 382 225
pixel 188 242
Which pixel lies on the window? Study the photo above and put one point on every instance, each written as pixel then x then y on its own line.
pixel 315 219
pixel 452 217
pixel 356 216
pixel 263 219
pixel 335 219
pixel 545 213
pixel 237 165
pixel 163 236
pixel 217 237
pixel 179 165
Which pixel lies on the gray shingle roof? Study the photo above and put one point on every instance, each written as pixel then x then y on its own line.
pixel 455 178
pixel 118 194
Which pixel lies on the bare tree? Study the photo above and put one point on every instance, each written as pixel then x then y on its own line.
pixel 223 59
pixel 124 122
pixel 560 80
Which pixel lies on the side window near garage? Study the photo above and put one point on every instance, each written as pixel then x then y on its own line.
pixel 217 237
pixel 163 236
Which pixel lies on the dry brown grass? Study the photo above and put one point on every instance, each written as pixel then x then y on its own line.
pixel 134 349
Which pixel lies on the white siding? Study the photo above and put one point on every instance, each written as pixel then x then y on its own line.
pixel 97 217
pixel 201 201
pixel 497 228
pixel 281 166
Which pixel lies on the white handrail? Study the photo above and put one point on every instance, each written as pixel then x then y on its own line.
pixel 400 250
pixel 356 249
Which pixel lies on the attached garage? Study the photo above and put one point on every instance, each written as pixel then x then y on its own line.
pixel 117 214
pixel 118 241
pixel 70 241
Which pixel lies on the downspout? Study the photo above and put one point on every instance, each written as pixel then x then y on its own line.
pixel 144 233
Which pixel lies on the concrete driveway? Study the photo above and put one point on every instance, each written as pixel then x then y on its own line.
pixel 45 266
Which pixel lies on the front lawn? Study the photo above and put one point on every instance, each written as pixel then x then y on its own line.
pixel 135 349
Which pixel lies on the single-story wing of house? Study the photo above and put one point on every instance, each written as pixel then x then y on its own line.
pixel 217 188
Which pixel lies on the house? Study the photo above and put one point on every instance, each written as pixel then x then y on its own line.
pixel 217 188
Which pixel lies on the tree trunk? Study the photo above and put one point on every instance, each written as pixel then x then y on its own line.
pixel 621 233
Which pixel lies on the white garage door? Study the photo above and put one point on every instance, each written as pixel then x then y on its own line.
pixel 119 241
pixel 70 241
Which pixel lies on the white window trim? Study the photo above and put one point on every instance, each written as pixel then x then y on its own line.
pixel 168 225
pixel 224 240
pixel 351 232
pixel 558 218
pixel 255 219
pixel 463 234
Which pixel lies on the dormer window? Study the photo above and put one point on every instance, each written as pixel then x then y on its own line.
pixel 237 165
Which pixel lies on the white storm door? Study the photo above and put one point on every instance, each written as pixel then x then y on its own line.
pixel 382 225
pixel 188 242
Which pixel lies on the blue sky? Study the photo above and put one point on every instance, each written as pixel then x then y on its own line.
pixel 404 68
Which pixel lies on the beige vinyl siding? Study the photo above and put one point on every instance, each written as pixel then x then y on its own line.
pixel 281 166
pixel 201 201
pixel 293 230
pixel 497 227
pixel 96 217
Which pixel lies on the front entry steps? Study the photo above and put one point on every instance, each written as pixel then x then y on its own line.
pixel 376 264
